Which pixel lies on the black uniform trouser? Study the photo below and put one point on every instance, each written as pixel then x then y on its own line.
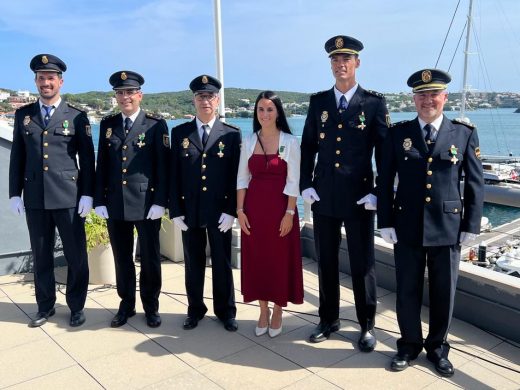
pixel 443 268
pixel 194 243
pixel 122 239
pixel 42 226
pixel 360 241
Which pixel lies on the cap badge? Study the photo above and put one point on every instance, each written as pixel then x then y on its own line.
pixel 339 42
pixel 185 143
pixel 108 133
pixel 123 76
pixel 204 79
pixel 362 121
pixel 426 76
pixel 45 60
pixel 220 149
pixel 26 120
pixel 407 144
pixel 141 139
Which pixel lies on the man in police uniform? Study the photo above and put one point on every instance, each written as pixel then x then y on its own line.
pixel 204 164
pixel 132 191
pixel 428 219
pixel 344 124
pixel 50 137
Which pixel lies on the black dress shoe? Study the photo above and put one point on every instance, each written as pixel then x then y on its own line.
pixel 230 325
pixel 41 318
pixel 191 322
pixel 121 317
pixel 442 365
pixel 77 318
pixel 367 341
pixel 153 320
pixel 400 361
pixel 323 331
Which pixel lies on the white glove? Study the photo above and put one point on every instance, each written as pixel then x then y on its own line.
pixel 17 205
pixel 155 212
pixel 85 205
pixel 226 222
pixel 370 202
pixel 101 211
pixel 466 237
pixel 310 196
pixel 388 234
pixel 179 221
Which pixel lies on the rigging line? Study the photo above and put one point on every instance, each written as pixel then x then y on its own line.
pixel 458 44
pixel 447 33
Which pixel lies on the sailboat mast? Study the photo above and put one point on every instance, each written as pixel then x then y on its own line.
pixel 465 86
pixel 220 61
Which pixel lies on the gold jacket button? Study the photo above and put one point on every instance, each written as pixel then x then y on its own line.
pixel 429 173
pixel 125 147
pixel 203 166
pixel 124 158
pixel 336 165
pixel 124 182
pixel 430 159
pixel 204 155
pixel 45 156
pixel 45 132
pixel 456 210
pixel 203 177
pixel 340 126
pixel 182 197
pixel 338 151
pixel 428 199
pixel 45 144
pixel 45 168
pixel 204 189
pixel 124 170
pixel 428 186
pixel 338 139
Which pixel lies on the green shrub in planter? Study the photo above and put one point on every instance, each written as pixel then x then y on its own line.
pixel 96 230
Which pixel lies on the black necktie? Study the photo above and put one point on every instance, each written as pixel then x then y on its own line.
pixel 47 117
pixel 343 103
pixel 205 135
pixel 428 133
pixel 128 125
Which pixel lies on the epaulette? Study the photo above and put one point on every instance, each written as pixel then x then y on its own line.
pixel 76 108
pixel 463 122
pixel 232 126
pixel 320 92
pixel 153 116
pixel 375 93
pixel 399 123
pixel 109 116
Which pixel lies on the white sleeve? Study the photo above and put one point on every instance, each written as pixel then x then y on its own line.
pixel 292 183
pixel 243 175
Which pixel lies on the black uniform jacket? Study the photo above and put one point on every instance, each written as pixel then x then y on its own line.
pixel 344 143
pixel 132 170
pixel 204 180
pixel 44 159
pixel 428 209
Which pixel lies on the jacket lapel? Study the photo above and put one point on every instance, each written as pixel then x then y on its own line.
pixel 137 128
pixel 443 138
pixel 331 102
pixel 59 114
pixel 418 137
pixel 194 135
pixel 215 133
pixel 355 107
pixel 36 116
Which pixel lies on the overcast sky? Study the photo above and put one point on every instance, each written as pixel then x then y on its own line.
pixel 268 44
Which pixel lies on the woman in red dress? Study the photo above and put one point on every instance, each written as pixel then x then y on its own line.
pixel 267 188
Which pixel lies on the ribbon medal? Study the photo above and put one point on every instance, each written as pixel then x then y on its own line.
pixel 141 139
pixel 453 152
pixel 362 120
pixel 66 127
pixel 220 149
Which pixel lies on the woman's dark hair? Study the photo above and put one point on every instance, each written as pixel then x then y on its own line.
pixel 281 120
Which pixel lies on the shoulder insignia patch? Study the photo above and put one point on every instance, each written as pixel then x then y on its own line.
pixel 109 116
pixel 166 140
pixel 462 122
pixel 375 93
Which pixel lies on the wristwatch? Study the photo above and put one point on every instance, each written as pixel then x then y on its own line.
pixel 291 212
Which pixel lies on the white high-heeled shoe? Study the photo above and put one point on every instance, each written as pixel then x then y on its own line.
pixel 261 331
pixel 275 332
